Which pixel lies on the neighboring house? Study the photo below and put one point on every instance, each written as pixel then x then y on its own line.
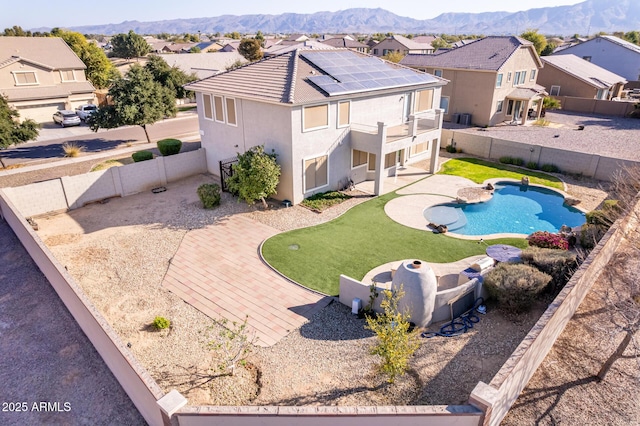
pixel 286 47
pixel 493 79
pixel 611 53
pixel 159 46
pixel 178 47
pixel 232 46
pixel 347 42
pixel 204 65
pixel 209 46
pixel 297 37
pixel 569 75
pixel 329 115
pixel 41 75
pixel 398 43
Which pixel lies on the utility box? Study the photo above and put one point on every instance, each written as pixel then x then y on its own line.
pixel 356 305
pixel 455 118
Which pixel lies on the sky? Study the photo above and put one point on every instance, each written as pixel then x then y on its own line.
pixel 47 13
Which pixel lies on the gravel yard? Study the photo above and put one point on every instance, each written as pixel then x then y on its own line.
pixel 119 251
pixel 615 137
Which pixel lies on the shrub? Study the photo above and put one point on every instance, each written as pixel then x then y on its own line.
pixel 598 217
pixel 322 201
pixel 559 264
pixel 532 165
pixel 209 194
pixel 590 235
pixel 515 286
pixel 160 323
pixel 169 146
pixel 72 149
pixel 506 160
pixel 142 156
pixel 544 239
pixel 518 161
pixel 395 343
pixel 255 175
pixel 550 168
pixel 451 149
pixel 234 344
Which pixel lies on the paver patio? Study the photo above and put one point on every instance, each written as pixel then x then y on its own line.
pixel 219 271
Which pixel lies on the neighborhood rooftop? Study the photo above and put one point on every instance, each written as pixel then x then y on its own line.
pixel 304 76
pixel 488 54
pixel 50 52
pixel 584 70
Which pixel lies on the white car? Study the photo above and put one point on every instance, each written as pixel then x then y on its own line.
pixel 84 111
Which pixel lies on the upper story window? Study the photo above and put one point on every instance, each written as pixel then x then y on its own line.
pixel 344 113
pixel 218 109
pixel 315 117
pixel 499 80
pixel 208 110
pixel 231 111
pixel 444 104
pixel 509 77
pixel 424 100
pixel 24 78
pixel 437 73
pixel 67 75
pixel 532 76
pixel 519 78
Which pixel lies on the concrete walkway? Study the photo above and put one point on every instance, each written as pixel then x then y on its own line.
pixel 218 270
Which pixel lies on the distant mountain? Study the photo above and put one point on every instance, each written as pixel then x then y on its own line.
pixel 588 17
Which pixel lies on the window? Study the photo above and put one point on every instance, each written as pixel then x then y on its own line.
pixel 499 106
pixel 315 173
pixel 315 117
pixel 444 104
pixel 499 80
pixel 358 158
pixel 375 51
pixel 437 73
pixel 587 58
pixel 25 77
pixel 371 166
pixel 519 78
pixel 208 111
pixel 555 91
pixel 218 109
pixel 67 75
pixel 510 107
pixel 390 159
pixel 523 77
pixel 419 148
pixel 344 114
pixel 231 111
pixel 532 76
pixel 509 77
pixel 602 94
pixel 424 100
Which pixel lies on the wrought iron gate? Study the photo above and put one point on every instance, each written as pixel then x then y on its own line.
pixel 226 171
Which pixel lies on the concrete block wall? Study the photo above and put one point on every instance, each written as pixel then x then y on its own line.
pixel 138 177
pixel 38 198
pixel 178 167
pixel 89 187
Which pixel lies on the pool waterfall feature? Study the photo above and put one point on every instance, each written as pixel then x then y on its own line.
pixel 514 208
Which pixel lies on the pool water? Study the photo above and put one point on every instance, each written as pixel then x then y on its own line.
pixel 514 208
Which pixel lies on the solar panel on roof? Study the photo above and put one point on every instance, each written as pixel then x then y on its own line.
pixel 348 73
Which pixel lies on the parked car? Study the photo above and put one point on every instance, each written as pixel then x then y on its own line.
pixel 84 111
pixel 66 118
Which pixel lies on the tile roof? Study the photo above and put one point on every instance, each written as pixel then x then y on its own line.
pixel 285 47
pixel 281 79
pixel 411 44
pixel 489 54
pixel 624 43
pixel 52 52
pixel 584 70
pixel 527 92
pixel 48 92
pixel 203 64
pixel 344 42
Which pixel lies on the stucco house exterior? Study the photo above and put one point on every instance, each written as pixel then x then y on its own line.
pixel 329 115
pixel 41 75
pixel 401 44
pixel 611 53
pixel 569 75
pixel 492 80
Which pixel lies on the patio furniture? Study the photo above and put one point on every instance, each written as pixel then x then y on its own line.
pixel 504 253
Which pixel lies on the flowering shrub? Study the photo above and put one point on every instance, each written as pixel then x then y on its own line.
pixel 546 239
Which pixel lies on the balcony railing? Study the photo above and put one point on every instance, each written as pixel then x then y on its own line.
pixel 419 124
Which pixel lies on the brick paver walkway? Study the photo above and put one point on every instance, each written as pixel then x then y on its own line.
pixel 218 270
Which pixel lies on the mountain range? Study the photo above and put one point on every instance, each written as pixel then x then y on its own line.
pixel 588 17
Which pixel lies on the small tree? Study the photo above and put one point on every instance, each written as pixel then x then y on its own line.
pixel 393 57
pixel 395 343
pixel 255 176
pixel 250 49
pixel 130 45
pixel 137 100
pixel 539 41
pixel 170 77
pixel 234 343
pixel 11 130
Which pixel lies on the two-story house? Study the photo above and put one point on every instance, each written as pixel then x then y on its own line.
pixel 491 80
pixel 611 53
pixel 329 115
pixel 41 75
pixel 400 44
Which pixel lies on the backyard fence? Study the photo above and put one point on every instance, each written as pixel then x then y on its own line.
pixel 595 106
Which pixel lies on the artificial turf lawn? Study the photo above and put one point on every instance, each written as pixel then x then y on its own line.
pixel 479 171
pixel 358 241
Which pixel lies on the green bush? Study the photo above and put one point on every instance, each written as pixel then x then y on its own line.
pixel 515 286
pixel 550 168
pixel 169 146
pixel 598 217
pixel 506 160
pixel 590 234
pixel 451 149
pixel 209 194
pixel 532 165
pixel 321 202
pixel 160 323
pixel 559 264
pixel 518 161
pixel 142 156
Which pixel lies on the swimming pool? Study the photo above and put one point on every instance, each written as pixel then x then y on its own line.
pixel 514 208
